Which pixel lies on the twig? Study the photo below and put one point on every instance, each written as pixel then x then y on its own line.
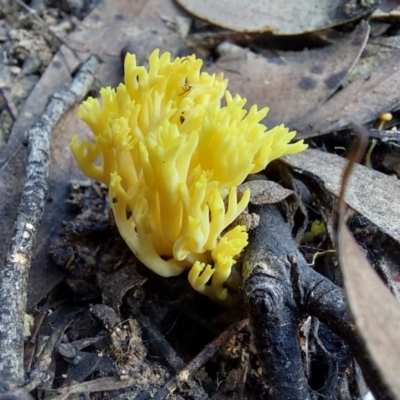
pixel 10 104
pixel 162 344
pixel 201 358
pixel 272 309
pixel 280 288
pixel 14 273
pixel 164 348
pixel 109 383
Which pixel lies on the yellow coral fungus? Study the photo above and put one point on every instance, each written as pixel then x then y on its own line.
pixel 172 157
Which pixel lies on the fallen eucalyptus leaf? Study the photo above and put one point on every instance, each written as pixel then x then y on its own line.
pixel 291 84
pixel 290 17
pixel 388 10
pixel 377 50
pixel 362 101
pixel 375 310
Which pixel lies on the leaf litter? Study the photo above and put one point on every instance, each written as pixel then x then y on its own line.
pixel 288 18
pixel 375 311
pixel 292 84
pixel 305 87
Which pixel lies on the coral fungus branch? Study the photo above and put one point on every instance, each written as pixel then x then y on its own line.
pixel 173 160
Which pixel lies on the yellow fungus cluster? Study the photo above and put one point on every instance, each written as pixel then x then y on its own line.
pixel 172 157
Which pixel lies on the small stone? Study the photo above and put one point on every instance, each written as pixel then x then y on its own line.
pixel 31 65
pixel 38 5
pixel 75 6
pixel 14 69
pixel 6 123
pixel 4 28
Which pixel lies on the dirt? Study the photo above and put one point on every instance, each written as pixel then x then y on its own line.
pixel 29 38
pixel 104 276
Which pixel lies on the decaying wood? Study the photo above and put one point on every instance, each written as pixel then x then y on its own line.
pixel 14 272
pixel 272 309
pixel 279 289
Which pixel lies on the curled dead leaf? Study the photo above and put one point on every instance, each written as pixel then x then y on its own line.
pixel 290 17
pixel 375 310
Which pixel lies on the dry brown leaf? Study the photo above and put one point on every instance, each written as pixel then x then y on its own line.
pixel 375 310
pixel 362 101
pixel 377 50
pixel 388 10
pixel 289 17
pixel 292 84
pixel 370 192
pixel 109 28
